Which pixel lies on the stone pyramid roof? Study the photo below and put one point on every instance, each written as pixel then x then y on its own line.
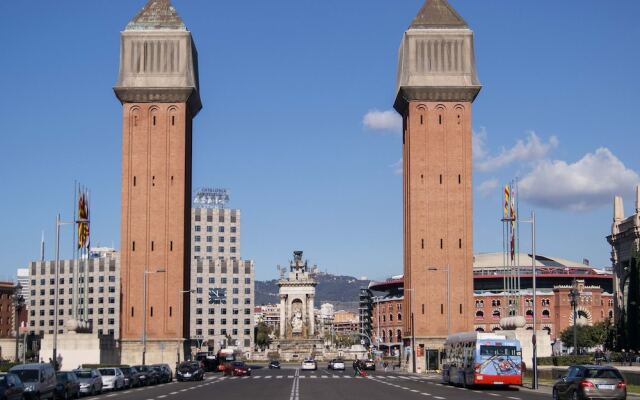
pixel 438 14
pixel 157 15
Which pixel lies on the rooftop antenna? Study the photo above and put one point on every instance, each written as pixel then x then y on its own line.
pixel 42 247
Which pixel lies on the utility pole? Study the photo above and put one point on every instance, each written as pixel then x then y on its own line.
pixel 575 294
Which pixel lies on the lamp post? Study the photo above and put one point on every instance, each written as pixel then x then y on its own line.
pixel 574 294
pixel 59 223
pixel 144 319
pixel 18 303
pixel 181 293
pixel 534 274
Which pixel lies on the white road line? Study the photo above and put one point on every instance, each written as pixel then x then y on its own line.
pixel 289 376
pixel 257 377
pixel 514 398
pixel 279 377
pixel 267 377
pixel 162 397
pixel 324 376
pixel 438 397
pixel 425 394
pixel 173 393
pixel 415 391
pixel 313 377
pixel 493 394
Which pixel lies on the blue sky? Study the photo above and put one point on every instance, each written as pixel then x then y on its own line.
pixel 286 86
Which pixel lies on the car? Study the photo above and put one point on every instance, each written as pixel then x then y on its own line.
pixel 131 377
pixel 11 387
pixel 165 371
pixel 147 376
pixel 68 386
pixel 39 380
pixel 274 364
pixel 309 364
pixel 189 371
pixel 369 365
pixel 336 364
pixel 112 378
pixel 590 382
pixel 90 381
pixel 163 375
pixel 239 368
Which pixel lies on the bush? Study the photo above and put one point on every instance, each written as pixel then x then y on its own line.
pixel 566 360
pixel 6 366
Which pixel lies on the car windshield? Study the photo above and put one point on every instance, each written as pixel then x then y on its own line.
pixel 142 368
pixel 603 374
pixel 83 374
pixel 125 371
pixel 62 376
pixel 27 375
pixel 107 371
pixel 238 364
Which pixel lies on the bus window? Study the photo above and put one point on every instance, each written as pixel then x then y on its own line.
pixel 498 351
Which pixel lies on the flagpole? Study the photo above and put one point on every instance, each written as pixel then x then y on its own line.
pixel 76 265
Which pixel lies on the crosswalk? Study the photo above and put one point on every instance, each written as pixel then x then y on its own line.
pixel 325 376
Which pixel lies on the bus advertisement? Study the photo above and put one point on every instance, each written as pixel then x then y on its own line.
pixel 478 358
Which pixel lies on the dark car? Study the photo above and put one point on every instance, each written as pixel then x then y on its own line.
pixel 275 364
pixel 131 377
pixel 147 375
pixel 164 376
pixel 11 387
pixel 189 371
pixel 67 386
pixel 591 382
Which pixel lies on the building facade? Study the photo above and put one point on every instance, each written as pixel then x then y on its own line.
pixel 22 277
pixel 625 259
pixel 7 309
pixel 103 295
pixel 269 314
pixel 436 85
pixel 215 233
pixel 222 304
pixel 345 322
pixel 158 89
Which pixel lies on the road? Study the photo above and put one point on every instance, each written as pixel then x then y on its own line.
pixel 293 384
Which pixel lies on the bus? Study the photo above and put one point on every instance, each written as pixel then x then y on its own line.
pixel 478 358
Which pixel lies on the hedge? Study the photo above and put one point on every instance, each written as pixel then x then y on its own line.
pixel 566 360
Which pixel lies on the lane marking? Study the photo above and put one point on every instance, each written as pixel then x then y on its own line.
pixel 514 398
pixel 425 394
pixel 493 394
pixel 162 397
pixel 438 397
pixel 279 377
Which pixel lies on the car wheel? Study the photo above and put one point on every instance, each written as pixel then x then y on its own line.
pixel 554 394
pixel 575 395
pixel 92 392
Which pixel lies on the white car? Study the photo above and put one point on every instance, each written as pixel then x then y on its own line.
pixel 336 365
pixel 309 365
pixel 112 378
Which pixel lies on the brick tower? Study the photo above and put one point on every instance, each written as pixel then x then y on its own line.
pixel 158 88
pixel 436 85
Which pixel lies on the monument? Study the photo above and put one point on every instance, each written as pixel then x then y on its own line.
pixel 437 83
pixel 159 92
pixel 297 337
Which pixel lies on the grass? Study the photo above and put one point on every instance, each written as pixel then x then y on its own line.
pixel 635 389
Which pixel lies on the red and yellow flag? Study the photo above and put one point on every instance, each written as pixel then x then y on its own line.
pixel 83 221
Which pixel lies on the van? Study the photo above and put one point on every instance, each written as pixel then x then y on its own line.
pixel 39 380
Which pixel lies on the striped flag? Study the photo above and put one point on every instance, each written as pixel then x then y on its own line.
pixel 83 221
pixel 507 200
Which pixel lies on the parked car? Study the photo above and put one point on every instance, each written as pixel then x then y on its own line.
pixel 147 375
pixel 68 386
pixel 189 371
pixel 11 387
pixel 590 381
pixel 275 364
pixel 39 380
pixel 165 371
pixel 309 365
pixel 239 368
pixel 90 381
pixel 112 378
pixel 131 377
pixel 336 364
pixel 369 365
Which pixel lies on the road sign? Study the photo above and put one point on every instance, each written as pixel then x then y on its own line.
pixel 218 296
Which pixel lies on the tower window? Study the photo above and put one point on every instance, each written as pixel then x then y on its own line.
pixel 152 245
pixel 133 246
pixel 131 311
pixel 441 243
pixel 171 245
pixel 421 120
pixel 459 119
pixel 441 179
pixel 422 243
pixel 152 311
pixel 153 181
pixel 170 311
pixel 134 181
pixel 460 308
pixel 173 120
pixel 172 179
pixel 440 119
pixel 154 120
pixel 422 310
pixel 441 308
pixel 459 243
pixel 459 179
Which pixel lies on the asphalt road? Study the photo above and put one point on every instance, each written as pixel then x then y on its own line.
pixel 290 383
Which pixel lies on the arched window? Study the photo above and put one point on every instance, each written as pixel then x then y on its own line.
pixel 529 328
pixel 497 328
pixel 496 314
pixel 479 314
pixel 546 328
pixel 384 318
pixel 399 317
pixel 493 303
pixel 384 336
pixel 610 314
pixel 390 317
pixel 529 313
pixel 399 333
pixel 390 335
pixel 545 314
pixel 479 329
pixel 498 303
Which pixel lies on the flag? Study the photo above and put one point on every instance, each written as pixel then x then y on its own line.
pixel 83 221
pixel 507 197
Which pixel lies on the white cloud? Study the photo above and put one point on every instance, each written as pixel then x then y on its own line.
pixel 388 120
pixel 479 144
pixel 397 167
pixel 488 187
pixel 586 184
pixel 529 150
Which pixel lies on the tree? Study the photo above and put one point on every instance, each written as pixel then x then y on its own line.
pixel 588 336
pixel 263 335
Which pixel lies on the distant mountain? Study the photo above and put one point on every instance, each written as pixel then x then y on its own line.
pixel 341 291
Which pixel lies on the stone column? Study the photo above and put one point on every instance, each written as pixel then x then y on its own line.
pixel 312 319
pixel 283 318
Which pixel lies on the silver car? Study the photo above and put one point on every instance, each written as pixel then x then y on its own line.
pixel 591 382
pixel 112 378
pixel 90 381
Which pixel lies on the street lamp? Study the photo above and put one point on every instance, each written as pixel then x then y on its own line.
pixel 574 294
pixel 59 223
pixel 534 274
pixel 18 303
pixel 181 293
pixel 413 330
pixel 144 319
